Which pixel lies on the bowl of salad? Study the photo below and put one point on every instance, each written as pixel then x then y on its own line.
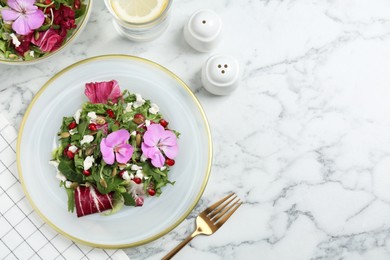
pixel 32 31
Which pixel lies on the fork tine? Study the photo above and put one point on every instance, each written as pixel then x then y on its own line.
pixel 226 216
pixel 214 212
pixel 222 211
pixel 215 205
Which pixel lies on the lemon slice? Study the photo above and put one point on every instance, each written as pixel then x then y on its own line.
pixel 138 11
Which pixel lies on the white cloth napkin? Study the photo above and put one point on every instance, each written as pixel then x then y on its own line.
pixel 23 234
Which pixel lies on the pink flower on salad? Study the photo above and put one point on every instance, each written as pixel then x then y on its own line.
pixel 115 147
pixel 49 40
pixel 156 141
pixel 101 92
pixel 25 16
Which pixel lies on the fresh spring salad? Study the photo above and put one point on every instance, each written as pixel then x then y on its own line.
pixel 113 151
pixel 30 29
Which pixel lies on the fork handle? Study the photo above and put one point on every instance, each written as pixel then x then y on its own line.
pixel 180 246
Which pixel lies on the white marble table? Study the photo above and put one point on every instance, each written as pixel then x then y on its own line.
pixel 305 141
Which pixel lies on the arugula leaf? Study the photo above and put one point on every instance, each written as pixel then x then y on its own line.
pixel 82 127
pixel 80 13
pixel 67 168
pixel 129 200
pixel 3 46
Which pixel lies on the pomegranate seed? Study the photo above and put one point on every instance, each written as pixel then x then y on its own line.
pixel 110 113
pixel 76 4
pixel 138 115
pixel 151 192
pixel 137 180
pixel 70 154
pixel 92 127
pixel 86 172
pixel 72 125
pixel 170 162
pixel 47 2
pixel 163 123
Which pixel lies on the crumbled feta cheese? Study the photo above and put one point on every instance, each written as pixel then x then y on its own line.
pixel 54 163
pixel 146 177
pixel 89 160
pixel 154 109
pixel 134 133
pixel 32 54
pixel 72 148
pixel 128 107
pixel 135 167
pixel 139 101
pixel 86 139
pixel 163 168
pixel 147 122
pixel 59 175
pixel 92 116
pixel 73 131
pixel 15 40
pixel 67 184
pixel 139 174
pixel 143 158
pixel 131 176
pixel 125 175
pixel 77 116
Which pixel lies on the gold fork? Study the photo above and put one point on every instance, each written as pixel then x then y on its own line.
pixel 210 220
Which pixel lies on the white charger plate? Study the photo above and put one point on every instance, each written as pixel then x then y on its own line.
pixel 61 96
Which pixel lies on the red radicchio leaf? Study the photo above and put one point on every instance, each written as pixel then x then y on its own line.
pixel 88 201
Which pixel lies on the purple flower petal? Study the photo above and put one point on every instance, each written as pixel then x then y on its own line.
pixel 9 14
pixel 168 138
pixel 36 19
pixel 123 153
pixel 27 4
pixel 14 4
pixel 149 151
pixel 170 151
pixel 153 134
pixel 117 137
pixel 107 152
pixel 157 159
pixel 21 25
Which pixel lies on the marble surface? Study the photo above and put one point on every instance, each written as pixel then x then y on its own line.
pixel 304 141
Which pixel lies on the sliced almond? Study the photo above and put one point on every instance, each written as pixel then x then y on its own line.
pixel 103 183
pixel 64 134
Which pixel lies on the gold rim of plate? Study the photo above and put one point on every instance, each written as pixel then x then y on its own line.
pixel 105 57
pixel 68 41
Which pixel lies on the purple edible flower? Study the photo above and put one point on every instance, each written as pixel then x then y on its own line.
pixel 25 16
pixel 158 140
pixel 115 147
